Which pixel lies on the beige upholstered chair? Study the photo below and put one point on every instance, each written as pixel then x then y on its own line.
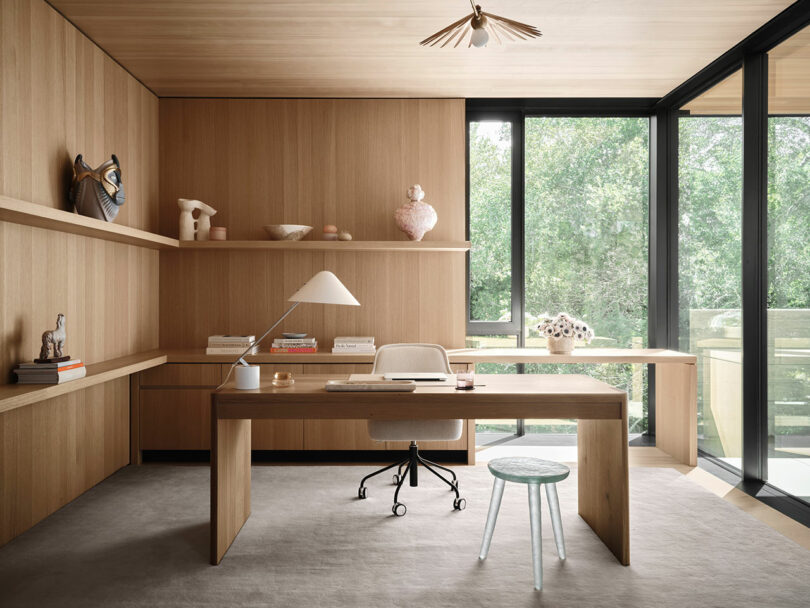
pixel 414 358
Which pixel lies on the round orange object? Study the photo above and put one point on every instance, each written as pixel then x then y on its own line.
pixel 330 228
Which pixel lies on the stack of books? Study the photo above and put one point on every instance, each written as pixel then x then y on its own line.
pixel 50 373
pixel 354 345
pixel 294 345
pixel 230 345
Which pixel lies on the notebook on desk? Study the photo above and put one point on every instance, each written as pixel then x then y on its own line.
pixel 381 377
pixel 417 376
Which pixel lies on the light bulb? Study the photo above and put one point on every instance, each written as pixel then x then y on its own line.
pixel 479 37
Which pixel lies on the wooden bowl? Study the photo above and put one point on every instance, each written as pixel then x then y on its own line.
pixel 287 232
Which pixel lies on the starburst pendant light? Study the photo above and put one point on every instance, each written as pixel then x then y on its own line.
pixel 477 27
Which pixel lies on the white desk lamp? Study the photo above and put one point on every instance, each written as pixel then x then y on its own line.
pixel 323 288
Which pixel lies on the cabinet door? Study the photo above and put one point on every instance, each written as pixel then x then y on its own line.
pixel 175 419
pixel 179 375
pixel 338 434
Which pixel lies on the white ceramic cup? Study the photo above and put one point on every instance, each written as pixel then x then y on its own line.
pixel 247 377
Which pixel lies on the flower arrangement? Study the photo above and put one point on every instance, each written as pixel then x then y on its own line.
pixel 562 330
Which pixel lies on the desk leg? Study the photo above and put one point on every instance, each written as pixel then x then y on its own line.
pixel 676 411
pixel 604 501
pixel 230 482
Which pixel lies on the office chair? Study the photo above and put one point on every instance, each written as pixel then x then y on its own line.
pixel 413 358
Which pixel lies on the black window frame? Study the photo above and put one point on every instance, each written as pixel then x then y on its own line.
pixel 662 316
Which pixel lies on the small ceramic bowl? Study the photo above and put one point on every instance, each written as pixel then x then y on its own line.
pixel 287 232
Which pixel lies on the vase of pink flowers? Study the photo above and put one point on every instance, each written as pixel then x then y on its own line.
pixel 562 332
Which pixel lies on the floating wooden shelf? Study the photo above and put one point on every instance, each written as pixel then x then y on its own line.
pixel 331 245
pixel 31 214
pixel 199 356
pixel 18 395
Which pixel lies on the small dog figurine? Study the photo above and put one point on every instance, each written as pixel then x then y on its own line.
pixel 55 337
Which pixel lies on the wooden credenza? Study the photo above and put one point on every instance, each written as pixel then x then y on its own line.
pixel 171 411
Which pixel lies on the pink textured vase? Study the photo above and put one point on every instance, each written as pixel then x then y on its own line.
pixel 415 218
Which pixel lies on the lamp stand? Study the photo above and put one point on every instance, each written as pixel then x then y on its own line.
pixel 240 360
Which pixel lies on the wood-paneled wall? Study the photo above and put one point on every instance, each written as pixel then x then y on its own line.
pixel 52 451
pixel 60 95
pixel 108 292
pixel 404 297
pixel 313 161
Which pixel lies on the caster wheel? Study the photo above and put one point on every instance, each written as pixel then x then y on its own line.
pixel 395 480
pixel 399 509
pixel 459 504
pixel 361 492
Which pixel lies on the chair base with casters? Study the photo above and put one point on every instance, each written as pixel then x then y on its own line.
pixel 533 472
pixel 411 473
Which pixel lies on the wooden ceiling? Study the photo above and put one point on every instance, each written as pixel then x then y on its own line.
pixel 369 48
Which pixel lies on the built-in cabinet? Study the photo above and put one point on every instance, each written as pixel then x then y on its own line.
pixel 174 412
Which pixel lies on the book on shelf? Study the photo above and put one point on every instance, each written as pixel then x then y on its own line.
pixel 294 341
pixel 230 345
pixel 354 340
pixel 303 349
pixel 222 350
pixel 50 375
pixel 233 340
pixel 61 365
pixel 353 351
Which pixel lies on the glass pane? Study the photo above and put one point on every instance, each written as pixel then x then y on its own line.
pixel 709 261
pixel 491 221
pixel 587 202
pixel 490 431
pixel 788 261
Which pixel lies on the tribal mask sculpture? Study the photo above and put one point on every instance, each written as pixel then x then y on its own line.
pixel 97 193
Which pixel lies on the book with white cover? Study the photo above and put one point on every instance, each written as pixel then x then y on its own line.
pixel 212 350
pixel 283 341
pixel 230 338
pixel 354 340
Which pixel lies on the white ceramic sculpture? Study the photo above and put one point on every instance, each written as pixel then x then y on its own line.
pixel 416 217
pixel 190 227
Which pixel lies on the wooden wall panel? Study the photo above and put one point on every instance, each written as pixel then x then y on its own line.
pixel 60 95
pixel 108 292
pixel 404 297
pixel 313 161
pixel 52 451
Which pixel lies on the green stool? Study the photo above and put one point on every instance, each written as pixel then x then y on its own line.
pixel 534 472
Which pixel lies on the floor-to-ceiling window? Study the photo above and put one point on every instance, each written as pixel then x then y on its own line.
pixel 584 203
pixel 586 241
pixel 709 260
pixel 788 270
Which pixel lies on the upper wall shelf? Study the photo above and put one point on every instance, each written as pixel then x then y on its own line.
pixel 31 214
pixel 331 245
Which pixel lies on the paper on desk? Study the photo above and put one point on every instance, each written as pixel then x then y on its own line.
pixel 450 382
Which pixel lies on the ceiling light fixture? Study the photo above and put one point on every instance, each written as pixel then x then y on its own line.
pixel 479 25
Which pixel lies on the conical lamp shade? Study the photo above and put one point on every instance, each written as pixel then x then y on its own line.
pixel 325 288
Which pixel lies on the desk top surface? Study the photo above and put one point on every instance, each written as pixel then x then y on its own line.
pixel 551 386
pixel 495 396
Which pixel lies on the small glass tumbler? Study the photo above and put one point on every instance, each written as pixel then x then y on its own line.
pixel 465 381
pixel 283 379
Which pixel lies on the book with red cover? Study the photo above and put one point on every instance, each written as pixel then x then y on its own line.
pixel 294 350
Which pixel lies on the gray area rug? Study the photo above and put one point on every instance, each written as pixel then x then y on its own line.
pixel 141 539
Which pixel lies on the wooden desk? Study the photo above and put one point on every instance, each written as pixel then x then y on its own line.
pixel 675 385
pixel 601 436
